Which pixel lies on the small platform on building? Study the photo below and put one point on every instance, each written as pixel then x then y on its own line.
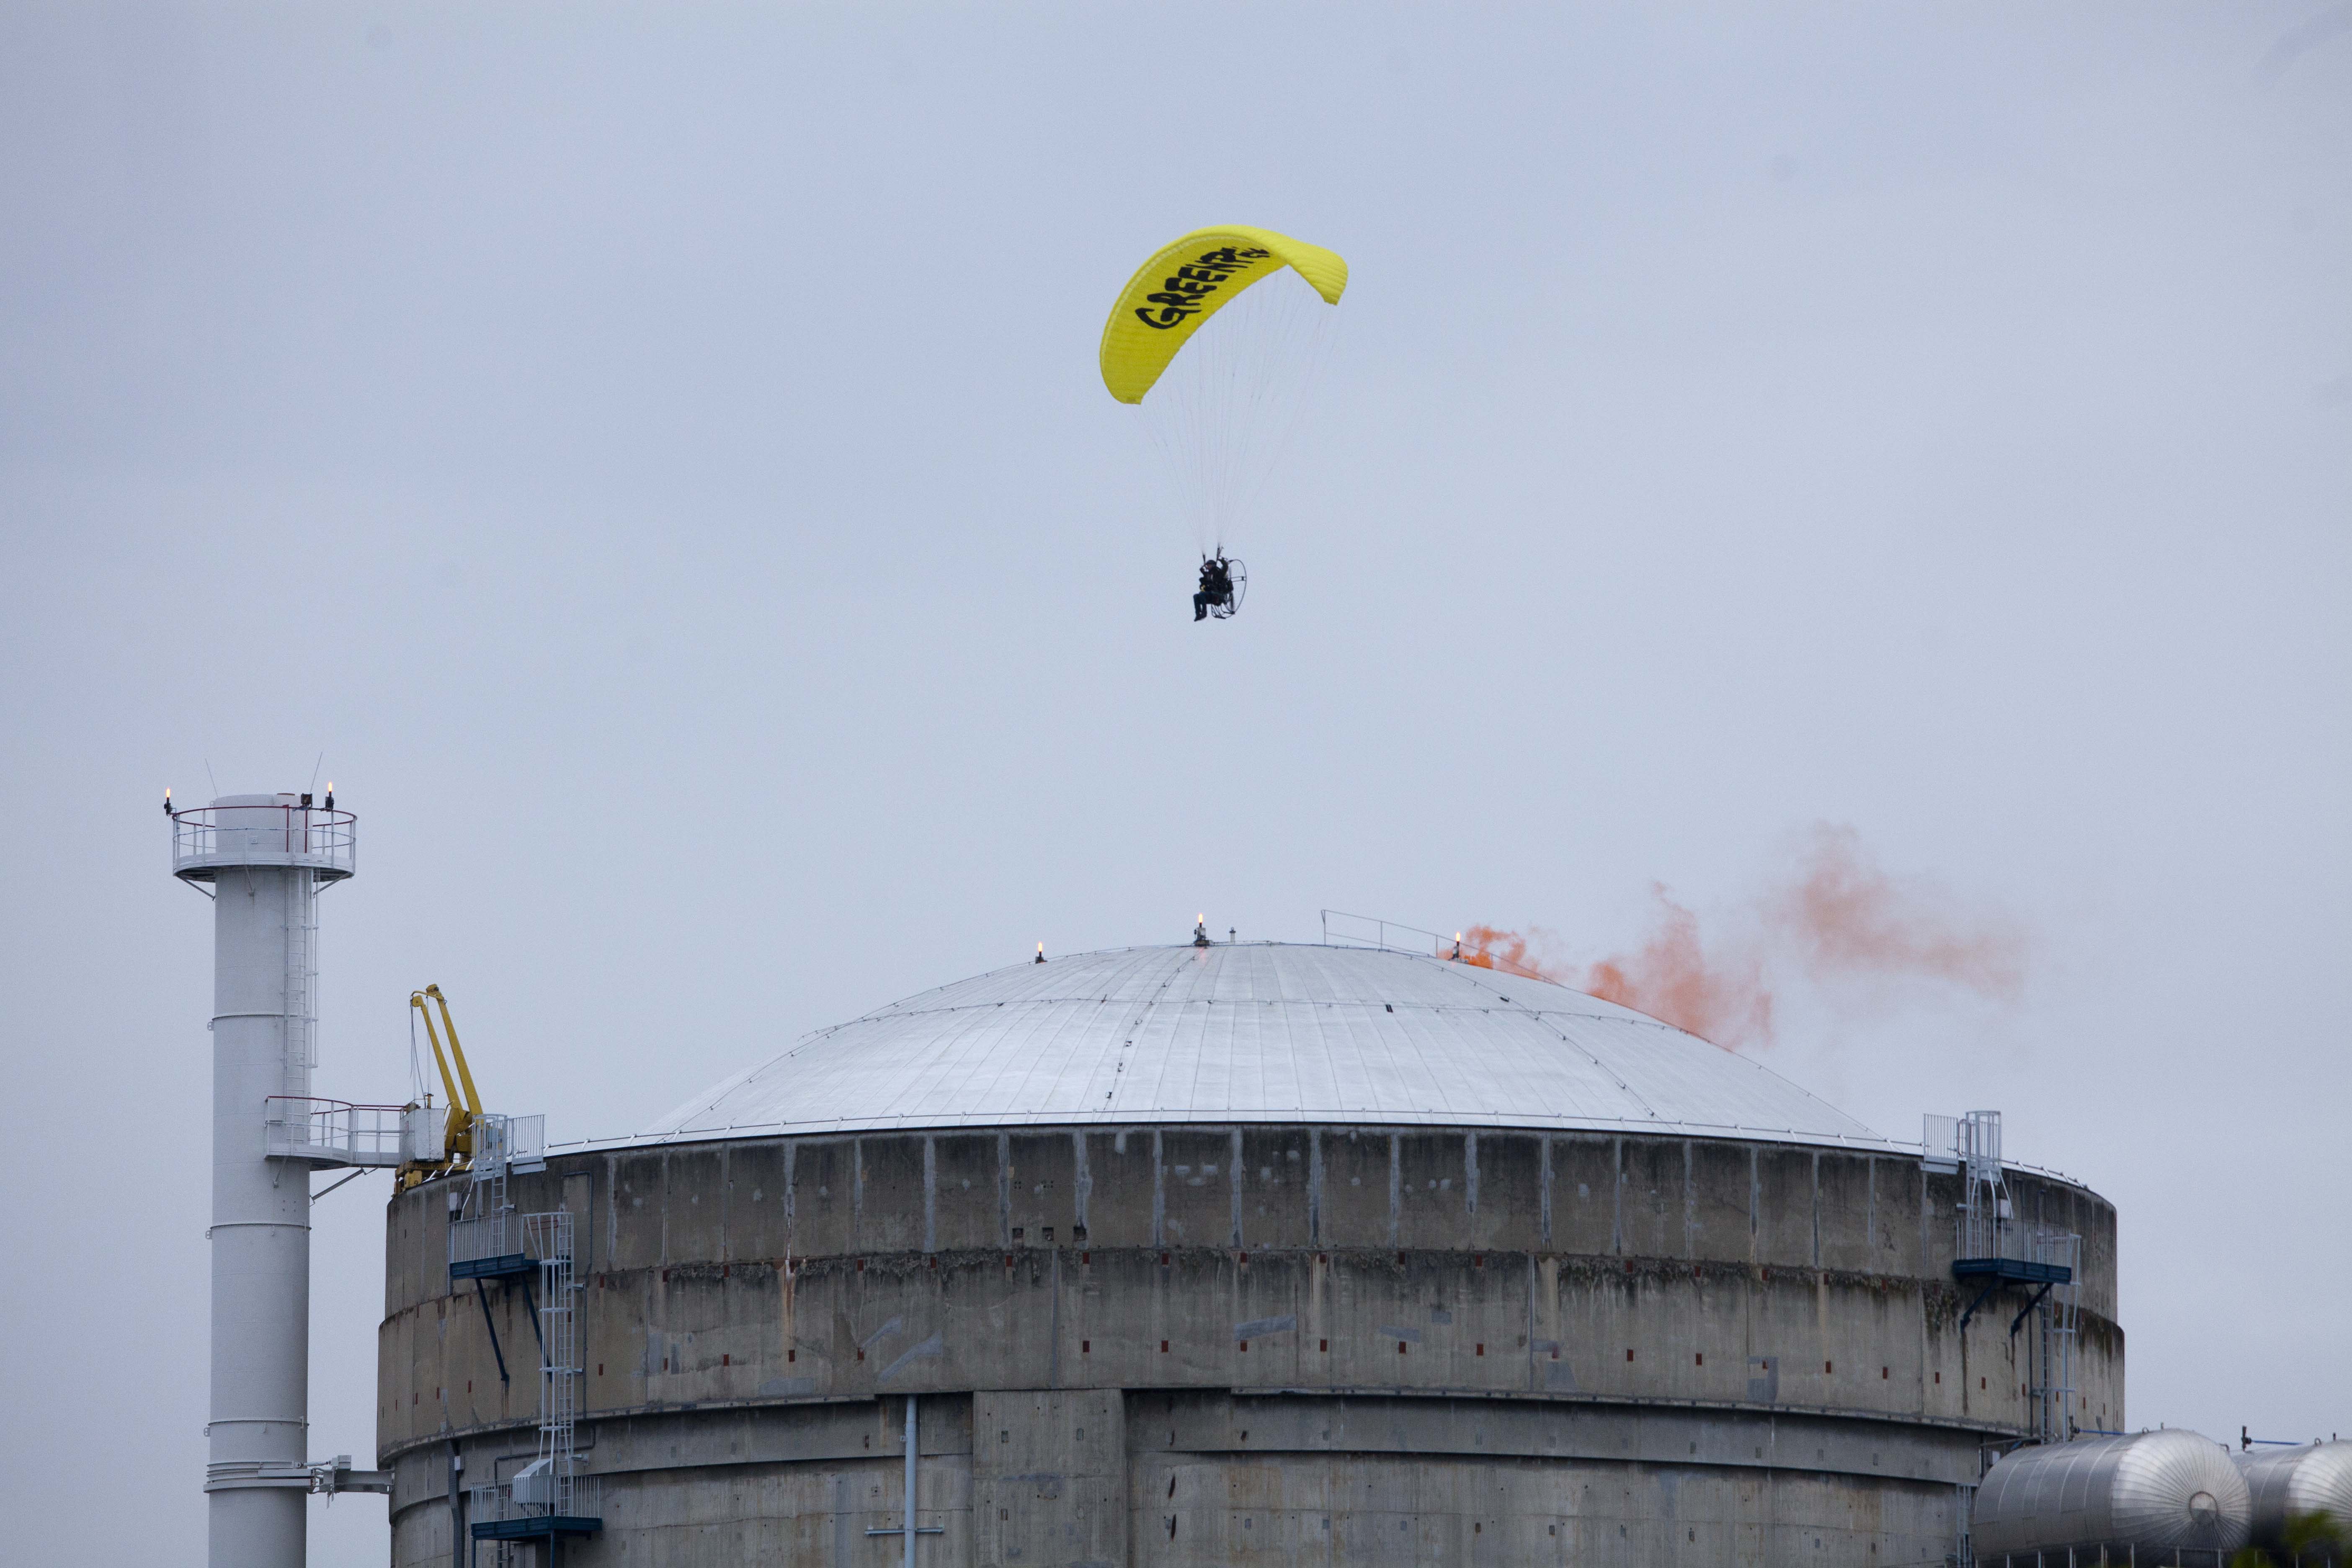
pixel 503 1266
pixel 2024 1271
pixel 1993 1273
pixel 536 1526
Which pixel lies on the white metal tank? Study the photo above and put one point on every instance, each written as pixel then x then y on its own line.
pixel 2288 1484
pixel 2150 1491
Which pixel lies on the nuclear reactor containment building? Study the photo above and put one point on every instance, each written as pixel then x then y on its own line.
pixel 1242 1254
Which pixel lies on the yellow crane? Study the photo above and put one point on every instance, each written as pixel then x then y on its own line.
pixel 464 1103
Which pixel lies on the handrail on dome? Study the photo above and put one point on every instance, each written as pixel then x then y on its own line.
pixel 1379 934
pixel 1387 935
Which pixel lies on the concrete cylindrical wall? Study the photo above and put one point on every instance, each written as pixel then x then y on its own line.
pixel 1182 1344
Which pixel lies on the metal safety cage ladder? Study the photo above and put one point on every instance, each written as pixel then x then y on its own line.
pixel 486 1235
pixel 549 1238
pixel 2058 1312
pixel 1984 1197
pixel 301 1026
pixel 548 1496
pixel 1994 1251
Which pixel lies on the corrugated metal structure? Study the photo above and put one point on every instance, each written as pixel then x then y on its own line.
pixel 2286 1485
pixel 2139 1497
pixel 1263 1032
pixel 1237 1253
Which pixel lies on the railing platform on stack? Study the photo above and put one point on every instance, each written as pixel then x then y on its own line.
pixel 332 1133
pixel 209 839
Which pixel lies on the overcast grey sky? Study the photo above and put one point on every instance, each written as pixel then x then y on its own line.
pixel 656 455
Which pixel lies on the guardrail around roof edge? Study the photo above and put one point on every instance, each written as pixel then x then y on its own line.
pixel 919 1124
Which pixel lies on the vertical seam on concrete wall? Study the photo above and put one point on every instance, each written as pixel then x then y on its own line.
pixel 1543 1184
pixel 1817 1208
pixel 1004 1189
pixel 1470 1177
pixel 1396 1190
pixel 930 1194
pixel 1530 1335
pixel 612 1209
pixel 664 1207
pixel 1315 1186
pixel 1239 1173
pixel 857 1193
pixel 1319 1292
pixel 1870 1225
pixel 791 1194
pixel 1617 1200
pixel 1085 1180
pixel 588 1221
pixel 1926 1257
pixel 1159 1192
pixel 1054 1348
pixel 1926 1404
pixel 785 1303
pixel 1690 1200
pixel 1755 1201
pixel 726 1198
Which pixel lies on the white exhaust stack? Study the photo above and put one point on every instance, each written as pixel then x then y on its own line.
pixel 264 857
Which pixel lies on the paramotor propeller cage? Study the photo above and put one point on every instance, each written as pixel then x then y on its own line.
pixel 1239 576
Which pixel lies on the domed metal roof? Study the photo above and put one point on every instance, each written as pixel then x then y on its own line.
pixel 1259 1032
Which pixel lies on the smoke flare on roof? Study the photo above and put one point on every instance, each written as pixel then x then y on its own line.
pixel 1837 921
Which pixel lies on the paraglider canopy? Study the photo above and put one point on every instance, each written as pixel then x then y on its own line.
pixel 1190 280
pixel 1219 390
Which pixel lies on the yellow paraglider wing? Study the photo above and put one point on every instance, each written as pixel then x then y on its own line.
pixel 1190 281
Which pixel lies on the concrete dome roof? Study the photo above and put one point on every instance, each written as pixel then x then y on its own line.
pixel 1258 1032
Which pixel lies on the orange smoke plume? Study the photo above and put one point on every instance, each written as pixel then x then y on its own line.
pixel 1671 976
pixel 1846 918
pixel 1836 920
